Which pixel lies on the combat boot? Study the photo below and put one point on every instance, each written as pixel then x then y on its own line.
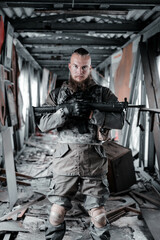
pixel 99 233
pixel 55 232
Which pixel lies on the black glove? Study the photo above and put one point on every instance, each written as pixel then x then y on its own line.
pixel 77 109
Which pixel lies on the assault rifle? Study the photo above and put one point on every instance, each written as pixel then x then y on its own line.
pixel 103 107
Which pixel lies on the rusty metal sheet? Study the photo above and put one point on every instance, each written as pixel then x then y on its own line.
pixel 122 76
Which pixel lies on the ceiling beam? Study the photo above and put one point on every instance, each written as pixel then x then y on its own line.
pixel 92 2
pixel 62 62
pixel 69 50
pixel 44 7
pixel 111 5
pixel 32 20
pixel 61 35
pixel 96 27
pixel 47 57
pixel 82 41
pixel 69 34
pixel 53 18
pixel 52 37
pixel 82 12
pixel 22 51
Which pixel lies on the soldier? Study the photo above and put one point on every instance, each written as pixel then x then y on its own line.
pixel 80 162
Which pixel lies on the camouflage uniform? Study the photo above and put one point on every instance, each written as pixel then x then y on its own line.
pixel 80 157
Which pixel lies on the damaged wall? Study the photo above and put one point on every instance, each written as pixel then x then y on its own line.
pixel 134 71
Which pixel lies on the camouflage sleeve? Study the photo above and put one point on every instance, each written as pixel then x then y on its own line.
pixel 108 120
pixel 52 121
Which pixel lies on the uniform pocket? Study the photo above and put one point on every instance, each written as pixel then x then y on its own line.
pixel 61 150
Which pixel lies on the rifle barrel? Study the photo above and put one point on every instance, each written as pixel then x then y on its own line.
pixel 136 106
pixel 104 107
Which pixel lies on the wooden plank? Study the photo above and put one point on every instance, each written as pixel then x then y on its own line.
pixel 33 236
pixel 131 209
pixel 138 200
pixel 148 178
pixel 116 216
pixel 12 226
pixel 20 209
pixel 149 199
pixel 157 192
pixel 120 209
pixel 3 179
pixel 9 165
pixel 152 219
pixel 17 174
pixel 32 224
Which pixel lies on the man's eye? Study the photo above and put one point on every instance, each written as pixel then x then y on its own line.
pixel 84 68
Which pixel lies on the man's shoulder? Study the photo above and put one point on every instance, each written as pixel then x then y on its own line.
pixel 57 90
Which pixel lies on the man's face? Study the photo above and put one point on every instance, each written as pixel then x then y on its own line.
pixel 80 67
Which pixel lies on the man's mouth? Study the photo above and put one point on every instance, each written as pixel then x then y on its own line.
pixel 79 76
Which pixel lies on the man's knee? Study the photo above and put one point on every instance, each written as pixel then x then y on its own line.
pixel 57 214
pixel 98 217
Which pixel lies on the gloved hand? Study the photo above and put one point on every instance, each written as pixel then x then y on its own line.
pixel 77 109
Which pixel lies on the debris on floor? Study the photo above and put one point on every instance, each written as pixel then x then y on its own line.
pixel 133 214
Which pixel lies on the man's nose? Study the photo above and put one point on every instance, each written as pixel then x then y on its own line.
pixel 80 70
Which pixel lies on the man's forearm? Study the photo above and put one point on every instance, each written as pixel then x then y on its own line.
pixel 52 121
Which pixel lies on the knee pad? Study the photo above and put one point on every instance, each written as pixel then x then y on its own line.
pixel 98 217
pixel 57 215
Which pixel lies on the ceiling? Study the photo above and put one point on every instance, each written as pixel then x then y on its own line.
pixel 52 30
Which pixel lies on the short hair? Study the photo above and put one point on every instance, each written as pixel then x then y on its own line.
pixel 81 51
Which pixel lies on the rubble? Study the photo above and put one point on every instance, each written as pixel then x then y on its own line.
pixel 130 213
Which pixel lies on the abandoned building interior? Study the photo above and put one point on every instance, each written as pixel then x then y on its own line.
pixel 37 39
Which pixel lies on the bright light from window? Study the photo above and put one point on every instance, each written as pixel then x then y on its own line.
pixel 34 90
pixel 24 88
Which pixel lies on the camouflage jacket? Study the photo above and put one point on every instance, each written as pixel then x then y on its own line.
pixel 80 151
pixel 77 130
